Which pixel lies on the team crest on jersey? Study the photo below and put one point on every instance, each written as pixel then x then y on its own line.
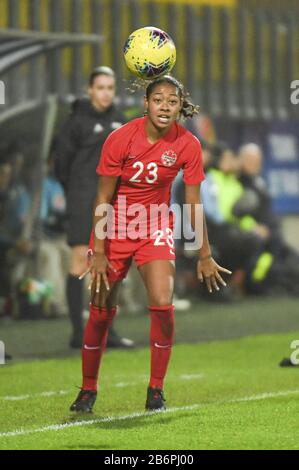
pixel 169 158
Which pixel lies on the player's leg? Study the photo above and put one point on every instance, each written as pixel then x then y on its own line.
pixel 75 293
pixel 158 277
pixel 102 312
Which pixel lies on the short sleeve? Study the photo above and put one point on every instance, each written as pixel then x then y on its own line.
pixel 193 163
pixel 111 159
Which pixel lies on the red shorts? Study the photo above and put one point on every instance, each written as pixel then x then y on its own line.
pixel 121 252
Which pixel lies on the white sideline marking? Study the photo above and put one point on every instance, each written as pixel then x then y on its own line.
pixel 142 379
pixel 35 395
pixel 191 376
pixel 180 377
pixel 125 384
pixel 111 419
pixel 264 396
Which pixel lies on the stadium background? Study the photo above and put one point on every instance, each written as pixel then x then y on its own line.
pixel 237 59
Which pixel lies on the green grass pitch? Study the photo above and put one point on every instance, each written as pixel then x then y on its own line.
pixel 220 395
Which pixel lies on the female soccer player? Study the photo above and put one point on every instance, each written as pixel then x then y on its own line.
pixel 138 164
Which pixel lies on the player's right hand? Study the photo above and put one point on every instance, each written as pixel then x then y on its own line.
pixel 98 267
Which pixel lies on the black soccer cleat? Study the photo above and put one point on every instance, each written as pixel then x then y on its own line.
pixel 286 362
pixel 84 401
pixel 155 400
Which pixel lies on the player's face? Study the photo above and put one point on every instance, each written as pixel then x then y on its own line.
pixel 102 92
pixel 163 105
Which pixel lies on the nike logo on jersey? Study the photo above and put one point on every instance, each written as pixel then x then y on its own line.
pixel 88 348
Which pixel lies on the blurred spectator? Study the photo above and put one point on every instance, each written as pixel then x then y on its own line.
pixel 256 200
pixel 237 248
pixel 54 254
pixel 278 267
pixel 14 208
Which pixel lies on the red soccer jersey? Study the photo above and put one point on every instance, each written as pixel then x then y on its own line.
pixel 147 170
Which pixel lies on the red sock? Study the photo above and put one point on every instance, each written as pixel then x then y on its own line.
pixel 95 339
pixel 161 340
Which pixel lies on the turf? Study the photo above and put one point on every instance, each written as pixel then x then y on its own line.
pixel 220 395
pixel 205 321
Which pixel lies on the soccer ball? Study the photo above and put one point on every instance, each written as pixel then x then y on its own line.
pixel 149 53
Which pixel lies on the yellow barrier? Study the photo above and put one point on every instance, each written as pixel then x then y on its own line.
pixel 163 21
pixel 211 3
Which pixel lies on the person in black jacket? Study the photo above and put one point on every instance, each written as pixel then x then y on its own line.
pixel 77 150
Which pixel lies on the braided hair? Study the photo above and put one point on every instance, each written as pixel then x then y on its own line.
pixel 189 109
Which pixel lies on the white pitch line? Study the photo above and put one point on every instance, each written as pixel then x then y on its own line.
pixel 35 395
pixel 180 377
pixel 126 384
pixel 191 376
pixel 264 396
pixel 141 379
pixel 111 419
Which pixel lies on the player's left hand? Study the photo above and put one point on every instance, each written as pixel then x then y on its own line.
pixel 98 265
pixel 208 271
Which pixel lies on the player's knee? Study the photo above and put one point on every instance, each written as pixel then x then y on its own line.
pixel 161 300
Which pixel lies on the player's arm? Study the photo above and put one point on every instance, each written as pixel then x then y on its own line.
pixel 207 268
